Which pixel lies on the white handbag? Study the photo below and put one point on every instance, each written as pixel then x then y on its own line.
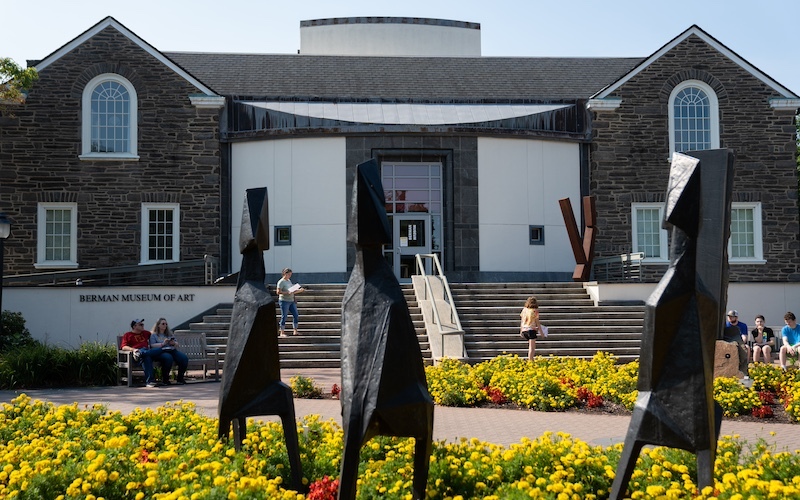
pixel 543 330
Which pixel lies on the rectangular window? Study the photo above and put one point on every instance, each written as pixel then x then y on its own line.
pixel 647 234
pixel 745 242
pixel 57 229
pixel 283 235
pixel 160 233
pixel 536 235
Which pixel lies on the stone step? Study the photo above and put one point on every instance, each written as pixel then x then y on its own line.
pixel 489 315
pixel 552 344
pixel 318 345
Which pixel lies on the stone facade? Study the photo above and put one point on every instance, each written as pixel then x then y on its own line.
pixel 178 148
pixel 630 150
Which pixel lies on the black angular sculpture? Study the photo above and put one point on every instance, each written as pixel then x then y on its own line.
pixel 683 320
pixel 384 389
pixel 251 380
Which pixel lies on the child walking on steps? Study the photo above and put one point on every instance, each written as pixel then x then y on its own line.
pixel 529 324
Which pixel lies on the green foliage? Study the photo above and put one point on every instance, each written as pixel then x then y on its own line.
pixel 37 365
pixel 304 387
pixel 734 398
pixel 14 82
pixel 13 332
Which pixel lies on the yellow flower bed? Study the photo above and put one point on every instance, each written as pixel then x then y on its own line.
pixel 63 452
pixel 557 384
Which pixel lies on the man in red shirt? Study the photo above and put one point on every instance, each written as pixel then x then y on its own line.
pixel 138 341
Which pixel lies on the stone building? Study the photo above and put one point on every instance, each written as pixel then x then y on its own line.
pixel 123 154
pixel 110 162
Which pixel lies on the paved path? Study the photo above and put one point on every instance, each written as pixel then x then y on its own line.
pixel 492 425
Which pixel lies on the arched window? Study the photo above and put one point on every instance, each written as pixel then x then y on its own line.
pixel 109 118
pixel 693 117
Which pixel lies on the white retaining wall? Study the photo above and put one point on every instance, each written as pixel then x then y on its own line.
pixel 68 317
pixel 772 300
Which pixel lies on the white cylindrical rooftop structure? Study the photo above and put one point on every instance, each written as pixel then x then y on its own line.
pixel 390 36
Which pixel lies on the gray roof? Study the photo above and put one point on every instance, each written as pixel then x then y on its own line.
pixel 415 78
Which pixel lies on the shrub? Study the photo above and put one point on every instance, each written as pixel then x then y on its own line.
pixel 734 398
pixel 13 332
pixel 453 383
pixel 304 387
pixel 40 365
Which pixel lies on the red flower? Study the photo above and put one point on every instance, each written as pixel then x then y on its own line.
pixel 588 397
pixel 323 489
pixel 762 412
pixel 495 395
pixel 766 397
pixel 594 401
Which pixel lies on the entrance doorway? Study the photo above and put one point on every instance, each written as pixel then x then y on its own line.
pixel 413 194
pixel 411 235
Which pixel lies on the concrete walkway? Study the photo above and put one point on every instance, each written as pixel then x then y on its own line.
pixel 492 425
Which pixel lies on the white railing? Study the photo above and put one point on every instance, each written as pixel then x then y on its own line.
pixel 438 328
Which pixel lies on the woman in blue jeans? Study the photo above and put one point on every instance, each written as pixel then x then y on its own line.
pixel 162 338
pixel 286 292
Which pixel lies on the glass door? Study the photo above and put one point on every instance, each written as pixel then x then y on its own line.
pixel 412 235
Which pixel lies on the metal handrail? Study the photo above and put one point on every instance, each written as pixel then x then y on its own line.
pixel 142 274
pixel 447 296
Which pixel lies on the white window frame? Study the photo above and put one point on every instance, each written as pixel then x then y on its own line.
pixel 663 233
pixel 41 237
pixel 86 127
pixel 176 231
pixel 758 247
pixel 713 112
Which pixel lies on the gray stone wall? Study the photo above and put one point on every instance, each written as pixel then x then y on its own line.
pixel 178 146
pixel 630 150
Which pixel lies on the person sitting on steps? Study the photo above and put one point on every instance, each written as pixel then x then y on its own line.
pixel 791 339
pixel 763 340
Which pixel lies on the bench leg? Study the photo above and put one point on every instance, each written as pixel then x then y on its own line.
pixel 130 375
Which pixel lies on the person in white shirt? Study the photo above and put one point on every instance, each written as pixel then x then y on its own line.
pixel 286 292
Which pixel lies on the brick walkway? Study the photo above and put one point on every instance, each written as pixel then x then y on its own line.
pixel 492 425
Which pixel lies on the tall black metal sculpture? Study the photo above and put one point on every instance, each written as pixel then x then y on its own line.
pixel 251 381
pixel 384 389
pixel 684 319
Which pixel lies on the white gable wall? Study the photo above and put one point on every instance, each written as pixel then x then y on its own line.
pixel 305 180
pixel 519 184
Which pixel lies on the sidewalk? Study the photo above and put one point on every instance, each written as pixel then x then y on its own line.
pixel 492 425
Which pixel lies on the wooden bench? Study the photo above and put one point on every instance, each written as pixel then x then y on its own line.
pixel 192 344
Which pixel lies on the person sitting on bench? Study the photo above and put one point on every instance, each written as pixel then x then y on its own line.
pixel 162 337
pixel 138 341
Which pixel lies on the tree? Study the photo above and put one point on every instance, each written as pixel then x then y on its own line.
pixel 14 82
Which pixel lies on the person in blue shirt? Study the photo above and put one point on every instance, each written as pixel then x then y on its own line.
pixel 733 324
pixel 791 338
pixel 733 320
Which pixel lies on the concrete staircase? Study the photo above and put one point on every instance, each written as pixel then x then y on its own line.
pixel 489 315
pixel 317 346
